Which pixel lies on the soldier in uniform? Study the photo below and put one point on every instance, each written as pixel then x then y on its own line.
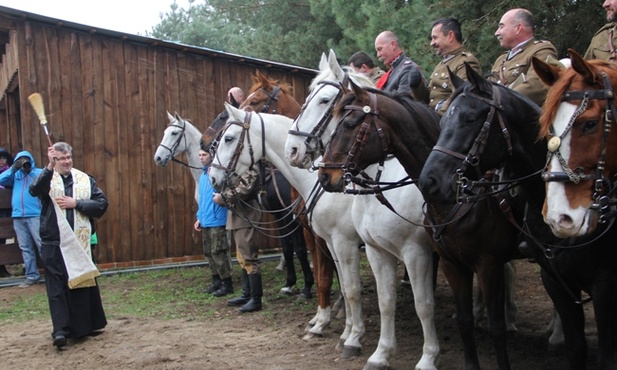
pixel 446 39
pixel 241 199
pixel 513 68
pixel 603 43
pixel 404 74
pixel 361 62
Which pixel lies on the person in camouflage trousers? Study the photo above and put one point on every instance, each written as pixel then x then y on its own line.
pixel 211 220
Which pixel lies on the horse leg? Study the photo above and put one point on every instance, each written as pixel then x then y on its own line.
pixel 288 253
pixel 491 278
pixel 301 253
pixel 573 319
pixel 323 264
pixel 510 301
pixel 348 257
pixel 421 270
pixel 384 269
pixel 604 305
pixel 555 328
pixel 460 280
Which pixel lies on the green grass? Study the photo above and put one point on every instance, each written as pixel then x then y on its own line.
pixel 174 293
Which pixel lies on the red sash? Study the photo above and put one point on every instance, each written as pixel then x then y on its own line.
pixel 383 79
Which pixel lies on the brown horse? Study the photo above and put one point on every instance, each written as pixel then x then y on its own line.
pixel 470 238
pixel 580 195
pixel 269 96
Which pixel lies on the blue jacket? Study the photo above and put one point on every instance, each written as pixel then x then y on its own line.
pixel 24 204
pixel 209 213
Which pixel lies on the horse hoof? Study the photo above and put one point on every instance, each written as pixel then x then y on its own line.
pixel 310 336
pixel 288 290
pixel 371 366
pixel 350 352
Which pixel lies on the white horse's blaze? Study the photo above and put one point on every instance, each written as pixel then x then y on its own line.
pixel 564 220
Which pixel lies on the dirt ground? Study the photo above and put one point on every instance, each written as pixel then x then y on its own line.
pixel 272 340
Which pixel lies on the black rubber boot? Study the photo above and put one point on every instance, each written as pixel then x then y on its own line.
pixel 254 304
pixel 225 289
pixel 216 285
pixel 246 292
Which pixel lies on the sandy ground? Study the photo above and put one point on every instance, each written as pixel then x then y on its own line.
pixel 272 339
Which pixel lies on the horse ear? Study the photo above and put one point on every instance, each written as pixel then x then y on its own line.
pixel 170 117
pixel 335 67
pixel 548 73
pixel 456 80
pixel 264 81
pixel 323 63
pixel 478 82
pixel 357 90
pixel 582 67
pixel 177 116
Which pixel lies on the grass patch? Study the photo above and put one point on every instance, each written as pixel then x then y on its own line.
pixel 174 293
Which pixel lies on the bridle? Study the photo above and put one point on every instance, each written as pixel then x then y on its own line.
pixel 604 202
pixel 230 169
pixel 272 100
pixel 318 130
pixel 176 144
pixel 464 186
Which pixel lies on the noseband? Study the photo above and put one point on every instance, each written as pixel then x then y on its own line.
pixel 318 131
pixel 604 203
pixel 463 185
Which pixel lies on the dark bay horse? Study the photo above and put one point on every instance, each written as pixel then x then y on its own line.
pixel 577 123
pixel 267 95
pixel 470 238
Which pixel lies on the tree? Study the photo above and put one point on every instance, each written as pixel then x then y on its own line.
pixel 298 31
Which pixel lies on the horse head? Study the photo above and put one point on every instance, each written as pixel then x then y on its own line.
pixel 312 128
pixel 270 96
pixel 372 124
pixel 173 142
pixel 577 122
pixel 485 125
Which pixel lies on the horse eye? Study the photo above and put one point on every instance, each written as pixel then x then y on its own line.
pixel 229 139
pixel 325 100
pixel 589 126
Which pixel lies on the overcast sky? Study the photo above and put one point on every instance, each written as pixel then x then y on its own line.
pixel 130 16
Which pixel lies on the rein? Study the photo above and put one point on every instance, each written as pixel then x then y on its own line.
pixel 272 99
pixel 605 204
pixel 231 174
pixel 464 186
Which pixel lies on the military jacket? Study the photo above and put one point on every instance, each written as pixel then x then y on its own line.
pixel 516 72
pixel 242 201
pixel 440 87
pixel 599 47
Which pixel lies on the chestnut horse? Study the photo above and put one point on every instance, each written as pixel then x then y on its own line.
pixel 266 96
pixel 580 195
pixel 474 237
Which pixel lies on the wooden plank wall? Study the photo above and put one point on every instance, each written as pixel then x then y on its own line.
pixel 108 98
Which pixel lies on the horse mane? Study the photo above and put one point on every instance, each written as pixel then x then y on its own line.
pixel 561 86
pixel 419 111
pixel 284 86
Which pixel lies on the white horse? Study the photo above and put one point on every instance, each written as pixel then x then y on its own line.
pixel 175 142
pixel 340 222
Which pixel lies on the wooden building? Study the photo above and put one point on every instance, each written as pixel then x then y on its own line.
pixel 107 93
